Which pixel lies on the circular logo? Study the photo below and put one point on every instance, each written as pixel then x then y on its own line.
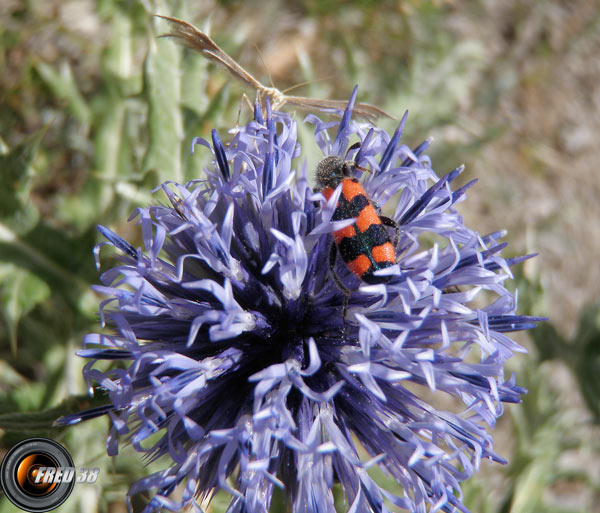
pixel 37 475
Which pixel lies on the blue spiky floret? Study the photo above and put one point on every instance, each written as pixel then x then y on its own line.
pixel 234 348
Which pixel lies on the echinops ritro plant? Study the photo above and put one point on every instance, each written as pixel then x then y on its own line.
pixel 236 360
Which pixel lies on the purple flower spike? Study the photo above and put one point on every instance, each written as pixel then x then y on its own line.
pixel 234 356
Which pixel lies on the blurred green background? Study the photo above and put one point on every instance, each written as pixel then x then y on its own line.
pixel 95 111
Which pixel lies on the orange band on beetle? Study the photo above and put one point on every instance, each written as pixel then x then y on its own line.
pixel 327 192
pixel 360 265
pixel 349 232
pixel 366 218
pixel 350 189
pixel 384 253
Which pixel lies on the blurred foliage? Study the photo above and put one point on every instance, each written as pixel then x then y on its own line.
pixel 96 112
pixel 581 353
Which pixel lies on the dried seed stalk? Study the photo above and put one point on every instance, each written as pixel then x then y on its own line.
pixel 196 39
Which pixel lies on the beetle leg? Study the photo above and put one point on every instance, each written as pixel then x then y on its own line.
pixel 338 282
pixel 387 221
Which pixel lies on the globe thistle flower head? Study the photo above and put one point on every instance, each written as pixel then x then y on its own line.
pixel 238 364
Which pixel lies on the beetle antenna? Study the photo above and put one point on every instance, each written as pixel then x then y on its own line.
pixel 355 146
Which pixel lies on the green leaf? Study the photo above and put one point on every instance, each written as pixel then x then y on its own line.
pixel 20 291
pixel 63 85
pixel 118 60
pixel 85 209
pixel 16 211
pixel 9 377
pixel 549 343
pixel 193 83
pixel 64 263
pixel 196 125
pixel 585 353
pixel 531 485
pixel 162 90
pixel 15 165
pixel 110 108
pixel 34 421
